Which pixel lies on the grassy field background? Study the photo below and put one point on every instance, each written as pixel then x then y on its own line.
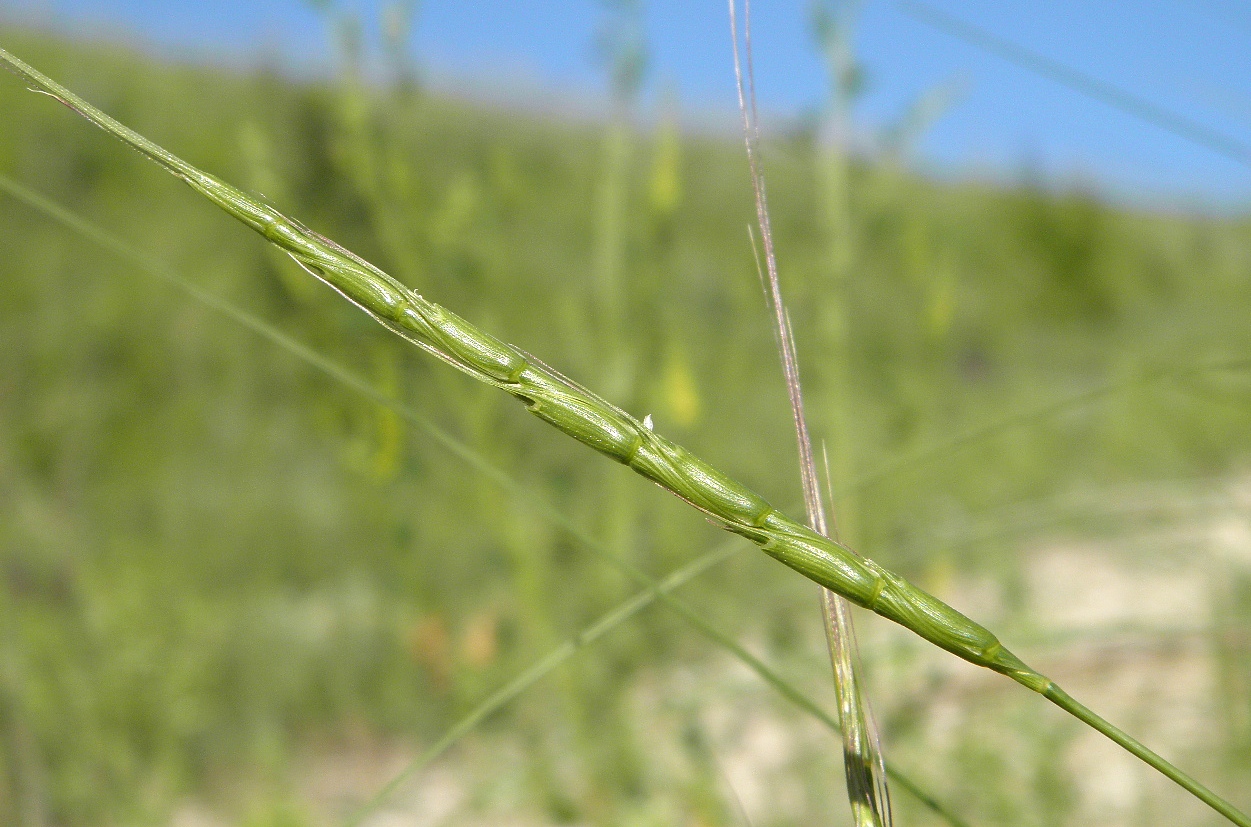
pixel 235 592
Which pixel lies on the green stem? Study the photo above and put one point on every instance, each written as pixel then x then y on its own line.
pixel 1070 705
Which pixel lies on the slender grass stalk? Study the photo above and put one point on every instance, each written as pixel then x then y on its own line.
pixel 840 395
pixel 615 433
pixel 21 764
pixel 864 767
pixel 611 761
pixel 834 179
pixel 656 590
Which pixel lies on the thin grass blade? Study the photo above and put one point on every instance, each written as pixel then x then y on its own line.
pixel 863 763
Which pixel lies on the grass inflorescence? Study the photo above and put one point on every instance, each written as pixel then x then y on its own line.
pixel 1122 437
pixel 600 425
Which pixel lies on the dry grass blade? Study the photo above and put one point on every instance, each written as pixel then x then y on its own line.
pixel 863 762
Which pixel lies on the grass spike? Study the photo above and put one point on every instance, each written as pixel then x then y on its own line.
pixel 656 590
pixel 613 432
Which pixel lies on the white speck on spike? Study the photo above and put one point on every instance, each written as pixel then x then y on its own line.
pixel 647 423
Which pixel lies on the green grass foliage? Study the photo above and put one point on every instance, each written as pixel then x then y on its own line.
pixel 217 566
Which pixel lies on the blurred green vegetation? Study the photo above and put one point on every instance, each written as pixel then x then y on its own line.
pixel 216 565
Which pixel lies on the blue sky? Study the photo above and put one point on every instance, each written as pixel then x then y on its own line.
pixel 1191 57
